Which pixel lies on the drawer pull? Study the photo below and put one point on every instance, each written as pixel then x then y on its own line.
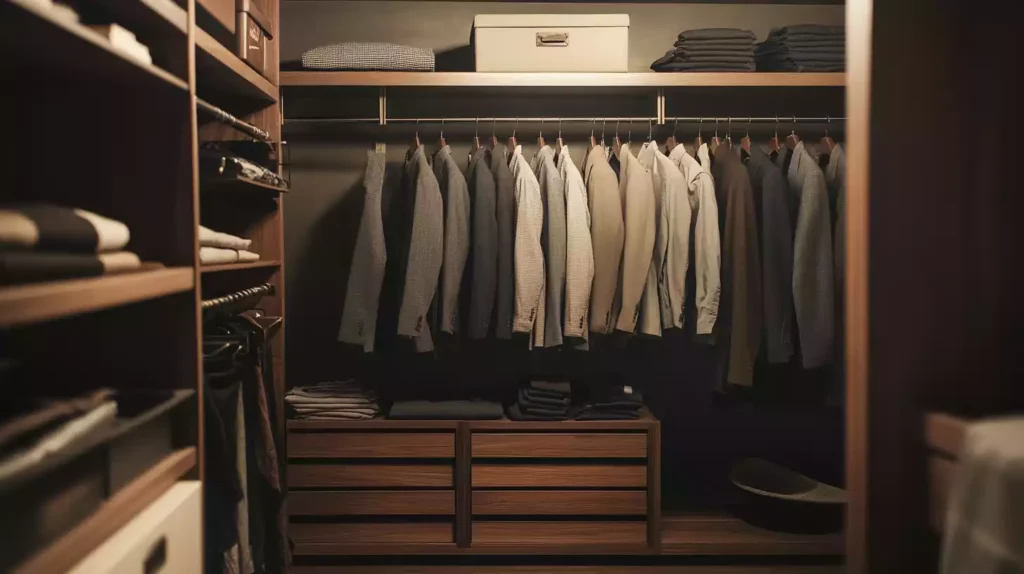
pixel 552 39
pixel 156 559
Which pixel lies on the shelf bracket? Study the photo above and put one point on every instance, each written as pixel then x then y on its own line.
pixel 382 107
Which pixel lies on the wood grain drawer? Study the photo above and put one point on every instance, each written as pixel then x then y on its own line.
pixel 363 533
pixel 560 502
pixel 371 502
pixel 369 475
pixel 566 445
pixel 371 445
pixel 559 475
pixel 559 532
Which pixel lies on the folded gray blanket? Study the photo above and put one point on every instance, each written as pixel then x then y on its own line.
pixel 698 45
pixel 717 34
pixel 809 30
pixel 684 53
pixel 368 56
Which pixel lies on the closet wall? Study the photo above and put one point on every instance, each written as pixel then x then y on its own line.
pixel 702 434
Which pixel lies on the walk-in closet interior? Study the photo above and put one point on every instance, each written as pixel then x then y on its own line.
pixel 701 287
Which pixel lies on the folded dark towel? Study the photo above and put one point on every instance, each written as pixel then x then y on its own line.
pixel 683 53
pixel 526 398
pixel 698 45
pixel 598 394
pixel 831 44
pixel 48 227
pixel 607 416
pixel 808 29
pixel 449 410
pixel 544 395
pixel 31 266
pixel 543 412
pixel 743 59
pixel 717 34
pixel 674 66
pixel 552 387
pixel 795 66
pixel 623 405
pixel 516 414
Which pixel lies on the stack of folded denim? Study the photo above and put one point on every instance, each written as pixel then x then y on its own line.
pixel 803 48
pixel 542 401
pixel 334 400
pixel 710 50
pixel 609 402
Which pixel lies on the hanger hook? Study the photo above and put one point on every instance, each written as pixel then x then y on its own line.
pixel 559 128
pixel 675 126
pixel 700 127
pixel 593 127
pixel 776 127
pixel 476 128
pixel 604 122
pixel 417 128
pixel 515 127
pixel 629 131
pixel 442 127
pixel 541 132
pixel 792 132
pixel 728 129
pixel 828 120
pixel 716 127
pixel 494 127
pixel 650 129
pixel 749 119
pixel 616 127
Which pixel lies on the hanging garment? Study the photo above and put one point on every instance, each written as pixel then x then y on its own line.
pixel 48 227
pixel 607 231
pixel 553 240
pixel 739 334
pixel 484 245
pixel 776 239
pixel 637 193
pixel 529 257
pixel 676 214
pixel 835 177
pixel 812 260
pixel 455 196
pixel 704 158
pixel 359 314
pixel 505 211
pixel 707 249
pixel 579 249
pixel 426 248
pixel 649 322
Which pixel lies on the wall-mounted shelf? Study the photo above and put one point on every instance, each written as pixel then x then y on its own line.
pixel 23 304
pixel 725 535
pixel 240 185
pixel 269 263
pixel 528 80
pixel 221 75
pixel 162 21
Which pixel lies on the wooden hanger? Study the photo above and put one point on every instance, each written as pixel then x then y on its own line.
pixel 540 135
pixel 618 141
pixel 700 140
pixel 512 142
pixel 792 139
pixel 593 141
pixel 671 142
pixel 441 142
pixel 715 142
pixel 776 144
pixel 745 142
pixel 558 141
pixel 826 141
pixel 416 138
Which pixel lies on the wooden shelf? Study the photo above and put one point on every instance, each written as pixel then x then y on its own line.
pixel 41 39
pixel 221 75
pixel 239 185
pixel 531 80
pixel 269 263
pixel 724 535
pixel 23 304
pixel 160 21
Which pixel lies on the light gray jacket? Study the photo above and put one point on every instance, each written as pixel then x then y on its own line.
pixel 484 251
pixel 676 214
pixel 813 281
pixel 579 250
pixel 455 194
pixel 553 240
pixel 835 175
pixel 529 257
pixel 607 233
pixel 426 248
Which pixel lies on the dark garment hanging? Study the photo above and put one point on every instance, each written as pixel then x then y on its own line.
pixel 222 487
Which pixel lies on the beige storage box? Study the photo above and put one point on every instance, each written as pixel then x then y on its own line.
pixel 551 42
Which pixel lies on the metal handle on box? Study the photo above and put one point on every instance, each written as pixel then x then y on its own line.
pixel 552 39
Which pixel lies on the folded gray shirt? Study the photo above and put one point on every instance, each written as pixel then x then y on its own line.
pixel 717 34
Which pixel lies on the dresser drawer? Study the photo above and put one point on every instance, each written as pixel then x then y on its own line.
pixel 560 502
pixel 371 502
pixel 488 475
pixel 559 533
pixel 371 445
pixel 369 475
pixel 309 535
pixel 559 445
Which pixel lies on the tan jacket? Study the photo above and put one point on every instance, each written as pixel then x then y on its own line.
pixel 676 214
pixel 529 258
pixel 637 192
pixel 579 253
pixel 651 302
pixel 607 232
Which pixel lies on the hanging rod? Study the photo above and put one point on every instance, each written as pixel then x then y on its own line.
pixel 239 300
pixel 226 118
pixel 553 119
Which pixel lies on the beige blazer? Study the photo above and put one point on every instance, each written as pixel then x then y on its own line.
pixel 637 192
pixel 607 233
pixel 529 257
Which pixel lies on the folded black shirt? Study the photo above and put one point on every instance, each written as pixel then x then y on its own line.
pixel 446 410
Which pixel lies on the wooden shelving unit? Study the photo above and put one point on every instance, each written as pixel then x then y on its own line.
pixel 529 80
pixel 221 75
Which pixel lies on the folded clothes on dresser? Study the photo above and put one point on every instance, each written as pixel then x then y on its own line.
pixel 217 248
pixel 803 48
pixel 542 401
pixel 608 402
pixel 709 49
pixel 337 400
pixel 445 410
pixel 32 266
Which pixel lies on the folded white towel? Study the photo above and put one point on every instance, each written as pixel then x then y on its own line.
pixel 211 238
pixel 216 256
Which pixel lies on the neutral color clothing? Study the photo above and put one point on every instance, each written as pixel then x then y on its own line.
pixel 505 211
pixel 47 227
pixel 835 177
pixel 446 410
pixel 426 248
pixel 218 256
pixel 484 249
pixel 553 240
pixel 739 334
pixel 649 322
pixel 368 56
pixel 579 249
pixel 677 66
pixel 455 196
pixel 707 248
pixel 359 313
pixel 718 34
pixel 776 239
pixel 812 260
pixel 703 155
pixel 637 192
pixel 211 238
pixel 672 245
pixel 529 257
pixel 607 232
pixel 30 266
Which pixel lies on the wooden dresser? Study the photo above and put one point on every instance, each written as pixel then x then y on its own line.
pixel 387 487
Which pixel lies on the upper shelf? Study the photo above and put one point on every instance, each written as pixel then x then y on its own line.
pixel 221 75
pixel 515 79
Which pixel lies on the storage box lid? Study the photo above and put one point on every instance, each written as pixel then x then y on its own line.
pixel 551 21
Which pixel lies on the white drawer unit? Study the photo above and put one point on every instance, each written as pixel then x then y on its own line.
pixel 551 42
pixel 165 538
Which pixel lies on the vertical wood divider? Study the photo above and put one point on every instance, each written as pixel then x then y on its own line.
pixel 463 485
pixel 654 487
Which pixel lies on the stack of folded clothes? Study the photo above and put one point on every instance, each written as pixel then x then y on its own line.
pixel 445 410
pixel 217 248
pixel 710 50
pixel 369 56
pixel 609 402
pixel 40 242
pixel 542 401
pixel 803 48
pixel 334 400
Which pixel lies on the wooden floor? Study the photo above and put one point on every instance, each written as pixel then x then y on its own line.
pixel 746 569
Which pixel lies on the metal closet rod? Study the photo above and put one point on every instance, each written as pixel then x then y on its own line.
pixel 226 118
pixel 555 119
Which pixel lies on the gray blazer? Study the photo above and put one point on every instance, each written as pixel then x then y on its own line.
pixel 362 296
pixel 455 194
pixel 835 175
pixel 813 280
pixel 426 247
pixel 579 249
pixel 553 239
pixel 607 232
pixel 484 251
pixel 505 211
pixel 637 192
pixel 769 184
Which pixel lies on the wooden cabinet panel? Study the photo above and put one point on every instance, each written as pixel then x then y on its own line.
pixel 560 502
pixel 559 475
pixel 370 502
pixel 372 475
pixel 559 533
pixel 371 445
pixel 362 533
pixel 567 445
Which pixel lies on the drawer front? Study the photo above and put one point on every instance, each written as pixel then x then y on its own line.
pixel 564 502
pixel 371 445
pixel 559 533
pixel 369 475
pixel 364 533
pixel 165 537
pixel 567 445
pixel 371 502
pixel 559 475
